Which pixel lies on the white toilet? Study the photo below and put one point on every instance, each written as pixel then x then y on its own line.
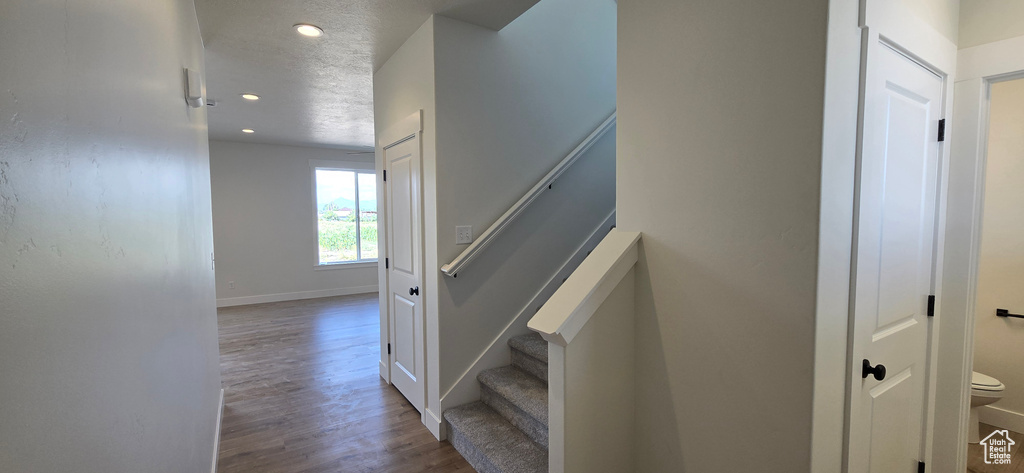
pixel 984 391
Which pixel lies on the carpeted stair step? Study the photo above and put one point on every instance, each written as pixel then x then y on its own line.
pixel 490 443
pixel 530 352
pixel 519 397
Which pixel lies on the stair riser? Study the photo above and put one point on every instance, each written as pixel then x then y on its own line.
pixel 535 429
pixel 473 455
pixel 530 364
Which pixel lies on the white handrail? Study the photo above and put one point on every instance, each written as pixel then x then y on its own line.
pixel 572 305
pixel 452 269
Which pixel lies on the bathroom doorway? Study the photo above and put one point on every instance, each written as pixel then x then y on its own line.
pixel 985 74
pixel 997 387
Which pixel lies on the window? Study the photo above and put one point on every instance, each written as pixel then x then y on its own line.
pixel 346 213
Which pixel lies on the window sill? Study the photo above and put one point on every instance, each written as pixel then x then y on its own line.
pixel 352 265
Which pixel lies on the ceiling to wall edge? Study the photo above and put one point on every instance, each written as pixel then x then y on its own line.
pixel 356 151
pixel 225 124
pixel 488 13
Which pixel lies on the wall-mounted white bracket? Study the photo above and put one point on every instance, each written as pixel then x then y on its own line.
pixel 193 88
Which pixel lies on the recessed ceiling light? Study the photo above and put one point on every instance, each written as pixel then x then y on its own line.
pixel 306 29
pixel 248 130
pixel 250 96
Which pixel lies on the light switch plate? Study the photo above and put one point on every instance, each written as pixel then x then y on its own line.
pixel 463 234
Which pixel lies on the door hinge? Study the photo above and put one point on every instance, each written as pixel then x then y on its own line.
pixel 931 306
pixel 386 173
pixel 920 467
pixel 389 348
pixel 942 130
pixel 386 263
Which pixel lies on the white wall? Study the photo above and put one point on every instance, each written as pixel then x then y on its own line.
pixel 835 234
pixel 263 225
pixel 998 347
pixel 943 15
pixel 401 87
pixel 508 106
pixel 108 332
pixel 511 105
pixel 719 162
pixel 985 21
pixel 595 374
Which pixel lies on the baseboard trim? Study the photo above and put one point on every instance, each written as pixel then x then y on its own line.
pixel 1001 418
pixel 216 437
pixel 294 296
pixel 466 389
pixel 433 423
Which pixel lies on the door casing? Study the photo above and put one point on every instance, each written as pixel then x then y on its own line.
pixel 919 40
pixel 888 317
pixel 978 68
pixel 409 127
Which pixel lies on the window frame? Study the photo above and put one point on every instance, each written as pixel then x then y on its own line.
pixel 348 166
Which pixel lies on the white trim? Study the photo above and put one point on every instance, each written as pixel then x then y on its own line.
pixel 892 20
pixel 955 341
pixel 934 357
pixel 341 165
pixel 385 372
pixel 564 315
pixel 366 263
pixel 980 67
pixel 835 235
pixel 349 166
pixel 434 423
pixel 216 438
pixel 1002 418
pixel 410 127
pixel 294 296
pixel 467 389
pixel 556 404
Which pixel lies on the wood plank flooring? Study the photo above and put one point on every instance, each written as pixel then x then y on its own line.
pixel 976 460
pixel 303 394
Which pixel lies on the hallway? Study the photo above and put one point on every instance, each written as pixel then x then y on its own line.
pixel 303 394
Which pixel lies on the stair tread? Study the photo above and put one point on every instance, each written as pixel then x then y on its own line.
pixel 522 389
pixel 532 344
pixel 502 444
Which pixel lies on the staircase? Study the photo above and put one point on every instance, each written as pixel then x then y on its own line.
pixel 507 431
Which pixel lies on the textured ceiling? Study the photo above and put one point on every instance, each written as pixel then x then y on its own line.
pixel 315 91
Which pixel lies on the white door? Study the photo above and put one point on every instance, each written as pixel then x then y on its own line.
pixel 893 263
pixel 404 271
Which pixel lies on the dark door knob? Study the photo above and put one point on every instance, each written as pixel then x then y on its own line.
pixel 415 291
pixel 878 371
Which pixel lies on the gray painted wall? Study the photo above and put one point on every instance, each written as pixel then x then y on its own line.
pixel 263 224
pixel 404 85
pixel 108 333
pixel 719 162
pixel 511 105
